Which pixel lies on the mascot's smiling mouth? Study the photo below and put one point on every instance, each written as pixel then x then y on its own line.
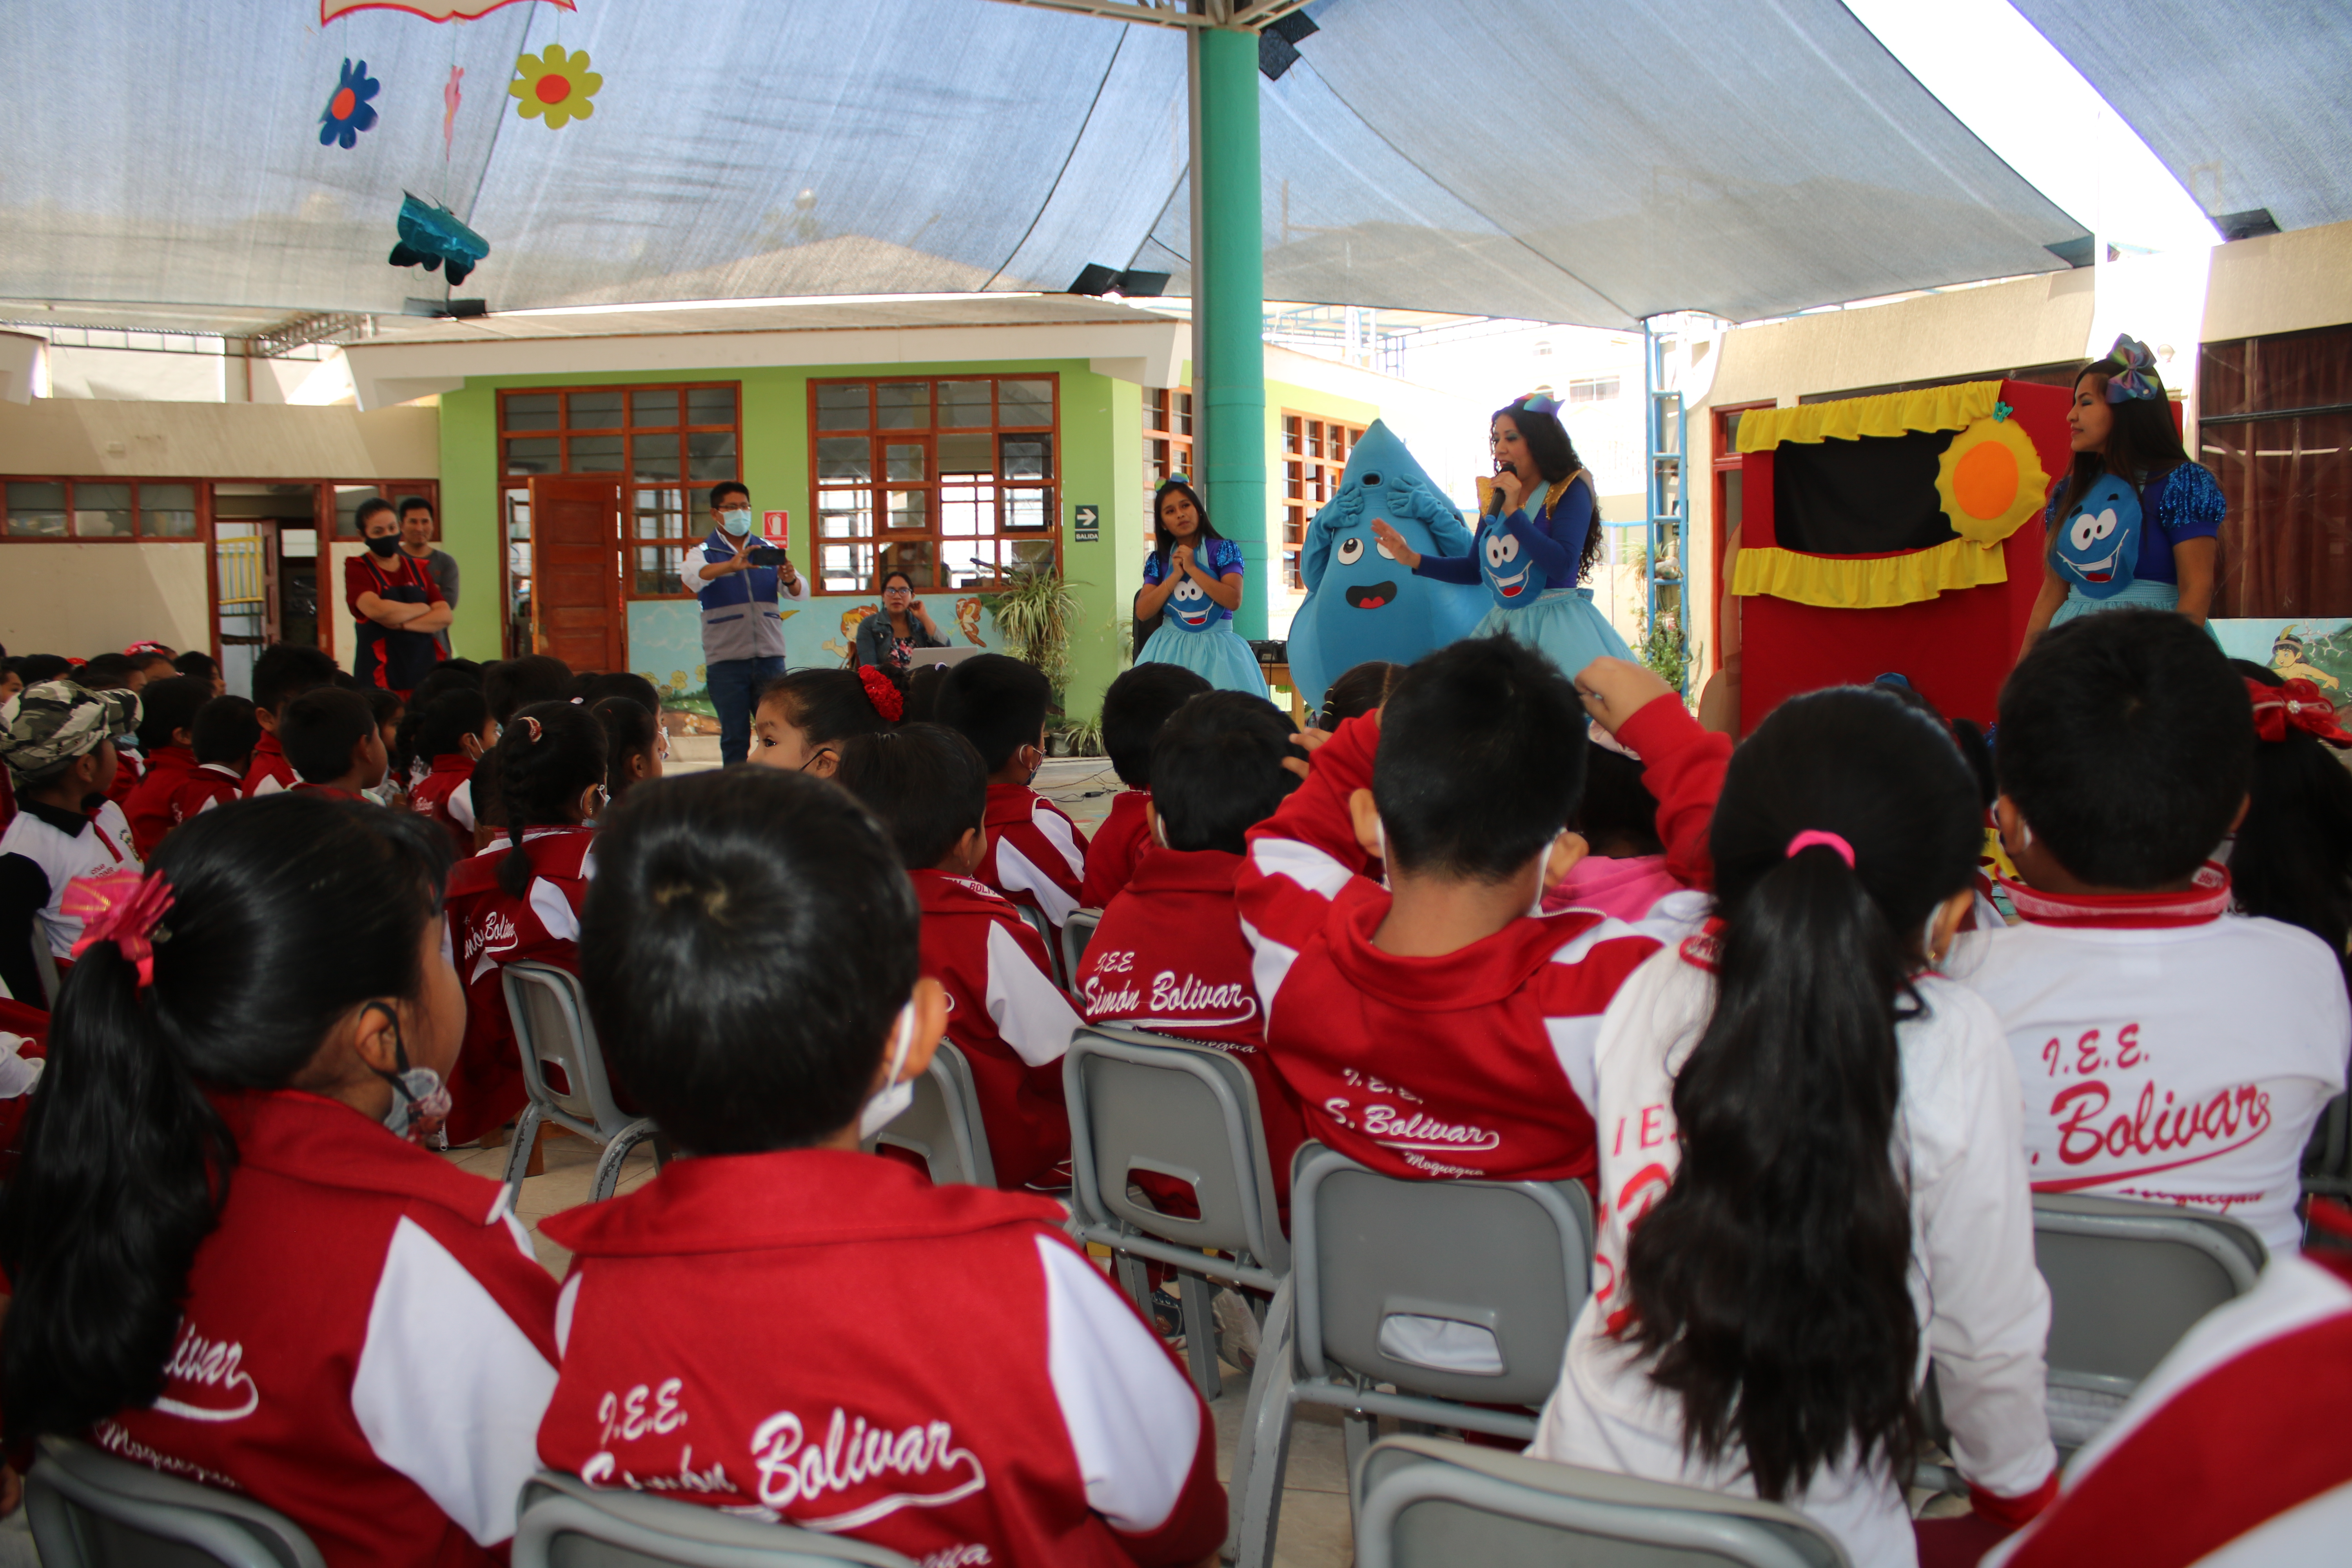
pixel 1509 587
pixel 1371 595
pixel 2101 570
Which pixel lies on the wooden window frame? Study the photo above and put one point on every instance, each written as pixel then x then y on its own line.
pixel 1311 475
pixel 1724 460
pixel 203 496
pixel 1170 429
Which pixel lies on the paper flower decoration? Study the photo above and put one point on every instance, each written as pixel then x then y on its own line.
pixel 347 112
pixel 2002 411
pixel 556 85
pixel 1990 479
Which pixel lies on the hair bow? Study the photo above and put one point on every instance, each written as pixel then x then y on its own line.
pixel 1536 403
pixel 2137 377
pixel 885 696
pixel 2297 705
pixel 125 909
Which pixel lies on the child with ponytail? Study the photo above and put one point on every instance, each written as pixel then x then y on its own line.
pixel 802 718
pixel 2291 858
pixel 1811 1185
pixel 449 735
pixel 523 901
pixel 229 1259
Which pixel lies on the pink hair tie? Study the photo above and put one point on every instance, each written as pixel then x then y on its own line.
pixel 124 908
pixel 1812 837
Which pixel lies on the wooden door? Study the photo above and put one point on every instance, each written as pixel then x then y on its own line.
pixel 576 610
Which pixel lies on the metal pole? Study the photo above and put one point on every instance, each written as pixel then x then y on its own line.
pixel 1229 302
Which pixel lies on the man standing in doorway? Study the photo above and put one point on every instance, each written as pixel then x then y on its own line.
pixel 736 576
pixel 416 540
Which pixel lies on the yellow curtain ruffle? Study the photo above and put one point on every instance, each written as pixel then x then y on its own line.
pixel 1850 418
pixel 1837 584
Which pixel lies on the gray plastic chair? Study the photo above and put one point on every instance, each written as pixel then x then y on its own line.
pixel 943 1125
pixel 1422 1502
pixel 1143 1102
pixel 89 1510
pixel 1502 1266
pixel 551 1024
pixel 1077 934
pixel 2126 1280
pixel 1053 940
pixel 2327 1158
pixel 564 1522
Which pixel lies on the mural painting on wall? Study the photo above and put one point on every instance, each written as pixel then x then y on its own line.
pixel 2317 650
pixel 665 646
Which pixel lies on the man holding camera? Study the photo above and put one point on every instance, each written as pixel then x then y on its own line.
pixel 736 574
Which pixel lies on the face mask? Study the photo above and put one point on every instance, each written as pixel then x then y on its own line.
pixel 384 544
pixel 896 1097
pixel 420 1100
pixel 738 522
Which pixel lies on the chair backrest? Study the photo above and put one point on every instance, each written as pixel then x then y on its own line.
pixel 45 968
pixel 1457 1289
pixel 1144 1102
pixel 1427 1503
pixel 1077 934
pixel 88 1509
pixel 1053 940
pixel 2128 1279
pixel 566 1524
pixel 2327 1158
pixel 549 1012
pixel 943 1124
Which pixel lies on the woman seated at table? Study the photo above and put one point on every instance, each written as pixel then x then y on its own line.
pixel 888 637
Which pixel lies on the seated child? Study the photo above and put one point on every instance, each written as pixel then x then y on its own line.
pixel 624 683
pixel 451 733
pixel 1625 874
pixel 1437 1028
pixel 802 719
pixel 167 718
pixel 229 1260
pixel 634 746
pixel 522 900
pixel 59 752
pixel 983 1394
pixel 1036 855
pixel 925 785
pixel 2291 856
pixel 1811 1189
pixel 513 684
pixel 118 672
pixel 1133 709
pixel 389 709
pixel 225 732
pixel 283 672
pixel 204 667
pixel 1360 689
pixel 331 740
pixel 2172 1051
pixel 1168 954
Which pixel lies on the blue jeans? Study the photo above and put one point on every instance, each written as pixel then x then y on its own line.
pixel 734 685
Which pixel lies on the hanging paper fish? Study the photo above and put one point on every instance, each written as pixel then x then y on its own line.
pixel 431 234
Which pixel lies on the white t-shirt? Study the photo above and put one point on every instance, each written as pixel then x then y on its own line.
pixel 1984 1311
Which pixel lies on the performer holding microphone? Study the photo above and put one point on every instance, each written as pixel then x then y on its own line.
pixel 1540 533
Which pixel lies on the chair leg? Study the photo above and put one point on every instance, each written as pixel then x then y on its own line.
pixel 519 1152
pixel 1135 1281
pixel 608 1165
pixel 1263 1451
pixel 1200 1335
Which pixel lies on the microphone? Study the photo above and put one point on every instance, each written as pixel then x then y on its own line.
pixel 1495 492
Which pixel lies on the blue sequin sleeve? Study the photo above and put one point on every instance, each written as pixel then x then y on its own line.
pixel 2193 504
pixel 1153 569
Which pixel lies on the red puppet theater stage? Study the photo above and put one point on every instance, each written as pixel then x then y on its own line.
pixel 1893 534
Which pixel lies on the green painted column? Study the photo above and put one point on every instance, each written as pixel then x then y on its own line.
pixel 1229 303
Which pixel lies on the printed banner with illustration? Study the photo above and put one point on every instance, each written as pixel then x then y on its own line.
pixel 2316 649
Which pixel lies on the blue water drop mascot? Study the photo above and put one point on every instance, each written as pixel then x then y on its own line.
pixel 1540 533
pixel 1192 583
pixel 1363 601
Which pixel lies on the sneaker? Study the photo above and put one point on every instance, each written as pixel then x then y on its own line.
pixel 1237 1331
pixel 1168 1317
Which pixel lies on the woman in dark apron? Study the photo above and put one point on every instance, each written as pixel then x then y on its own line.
pixel 394 657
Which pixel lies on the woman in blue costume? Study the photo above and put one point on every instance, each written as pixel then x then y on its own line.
pixel 2133 523
pixel 1540 534
pixel 1192 583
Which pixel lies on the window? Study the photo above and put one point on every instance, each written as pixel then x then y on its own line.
pixel 952 481
pixel 63 508
pixel 349 498
pixel 2274 423
pixel 663 443
pixel 1314 456
pixel 1585 391
pixel 1167 446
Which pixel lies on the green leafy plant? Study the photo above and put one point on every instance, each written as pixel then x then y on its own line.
pixel 1665 649
pixel 1080 737
pixel 1035 614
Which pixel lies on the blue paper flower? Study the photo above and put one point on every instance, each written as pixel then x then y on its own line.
pixel 349 112
pixel 2001 411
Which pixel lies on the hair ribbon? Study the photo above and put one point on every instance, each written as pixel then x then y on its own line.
pixel 2137 377
pixel 885 696
pixel 1536 403
pixel 124 908
pixel 530 726
pixel 2294 705
pixel 1821 839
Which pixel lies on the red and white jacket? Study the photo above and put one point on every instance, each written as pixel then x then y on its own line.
pixel 269 772
pixel 443 795
pixel 767 1333
pixel 130 768
pixel 148 804
pixel 1478 1063
pixel 1036 857
pixel 2172 1051
pixel 366 1345
pixel 2232 1454
pixel 1118 843
pixel 490 928
pixel 1984 1312
pixel 1008 1018
pixel 1168 955
pixel 206 785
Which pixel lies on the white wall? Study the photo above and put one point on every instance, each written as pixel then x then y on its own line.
pixel 85 599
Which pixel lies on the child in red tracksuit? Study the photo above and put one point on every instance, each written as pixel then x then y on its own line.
pixel 1436 1028
pixel 1011 1023
pixel 1137 703
pixel 1036 855
pixel 225 733
pixel 450 734
pixel 751 952
pixel 167 718
pixel 283 672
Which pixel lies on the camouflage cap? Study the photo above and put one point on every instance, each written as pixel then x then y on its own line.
pixel 51 724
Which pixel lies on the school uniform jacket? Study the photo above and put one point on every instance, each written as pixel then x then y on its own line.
pixel 768 1334
pixel 1168 955
pixel 1036 855
pixel 1113 850
pixel 366 1345
pixel 148 807
pixel 442 795
pixel 40 851
pixel 130 767
pixel 205 786
pixel 1475 1064
pixel 2172 1051
pixel 490 928
pixel 1008 1018
pixel 269 772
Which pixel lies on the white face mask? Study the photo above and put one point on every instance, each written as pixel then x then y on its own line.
pixel 736 523
pixel 896 1097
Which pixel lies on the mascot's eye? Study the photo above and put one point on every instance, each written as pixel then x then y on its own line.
pixel 1495 548
pixel 1385 551
pixel 1352 549
pixel 2107 522
pixel 2084 533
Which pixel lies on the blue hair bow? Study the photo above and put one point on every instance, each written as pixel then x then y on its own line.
pixel 1536 403
pixel 2137 377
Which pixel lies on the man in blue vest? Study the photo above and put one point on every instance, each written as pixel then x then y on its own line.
pixel 742 633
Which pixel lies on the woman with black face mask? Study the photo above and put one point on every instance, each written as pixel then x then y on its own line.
pixel 396 604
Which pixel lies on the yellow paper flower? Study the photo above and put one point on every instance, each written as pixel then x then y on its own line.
pixel 1991 481
pixel 556 85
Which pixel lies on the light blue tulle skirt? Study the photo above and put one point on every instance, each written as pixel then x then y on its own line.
pixel 2135 596
pixel 1217 656
pixel 1564 624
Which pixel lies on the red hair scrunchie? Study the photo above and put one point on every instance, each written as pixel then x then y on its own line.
pixel 886 699
pixel 2295 704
